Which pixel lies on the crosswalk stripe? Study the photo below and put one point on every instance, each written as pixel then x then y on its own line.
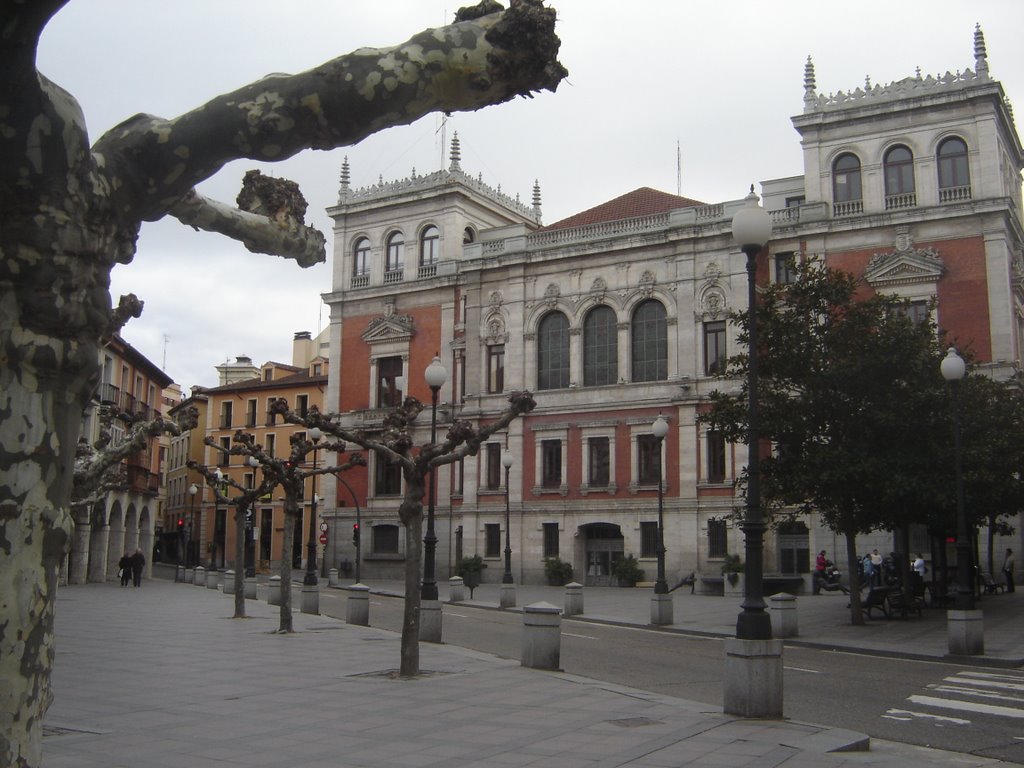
pixel 967 706
pixel 986 683
pixel 972 692
pixel 906 715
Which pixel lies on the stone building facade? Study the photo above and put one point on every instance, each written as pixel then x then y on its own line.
pixel 617 315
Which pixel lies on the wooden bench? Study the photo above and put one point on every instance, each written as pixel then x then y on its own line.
pixel 875 598
pixel 902 604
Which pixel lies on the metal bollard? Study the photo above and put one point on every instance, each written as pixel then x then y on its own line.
pixel 542 636
pixel 456 589
pixel 332 577
pixel 358 605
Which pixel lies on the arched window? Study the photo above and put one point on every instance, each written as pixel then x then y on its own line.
pixel 468 236
pixel 846 179
pixel 650 342
pixel 429 246
pixel 553 352
pixel 600 347
pixel 953 170
pixel 899 177
pixel 396 253
pixel 361 258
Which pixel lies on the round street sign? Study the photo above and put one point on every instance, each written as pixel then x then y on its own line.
pixel 323 526
pixel 323 538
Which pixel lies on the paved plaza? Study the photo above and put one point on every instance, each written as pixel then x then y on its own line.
pixel 162 676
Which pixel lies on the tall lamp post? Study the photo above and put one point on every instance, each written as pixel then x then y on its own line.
pixel 661 601
pixel 250 524
pixel 964 622
pixel 216 517
pixel 430 620
pixel 753 669
pixel 192 491
pixel 508 587
pixel 310 579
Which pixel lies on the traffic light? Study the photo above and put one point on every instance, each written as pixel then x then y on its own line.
pixel 355 534
pixel 181 524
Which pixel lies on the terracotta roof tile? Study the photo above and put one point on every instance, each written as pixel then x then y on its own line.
pixel 644 201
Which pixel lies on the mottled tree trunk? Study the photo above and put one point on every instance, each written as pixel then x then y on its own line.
pixel 287 542
pixel 412 516
pixel 856 614
pixel 239 563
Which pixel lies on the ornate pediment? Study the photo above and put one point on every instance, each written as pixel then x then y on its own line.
pixel 904 267
pixel 389 327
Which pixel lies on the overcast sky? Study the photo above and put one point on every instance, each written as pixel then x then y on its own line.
pixel 722 79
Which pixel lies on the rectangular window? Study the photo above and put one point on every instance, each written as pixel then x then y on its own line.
pixel 250 413
pixel 222 455
pixel 714 348
pixel 385 540
pixel 550 539
pixel 302 405
pixel 389 369
pixel 785 268
pixel 648 460
pixel 599 462
pixel 496 368
pixel 387 477
pixel 493 479
pixel 551 461
pixel 266 532
pixel 716 457
pixel 718 542
pixel 648 539
pixel 460 477
pixel 271 444
pixel 225 415
pixel 492 540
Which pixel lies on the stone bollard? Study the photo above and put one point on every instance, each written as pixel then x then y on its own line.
pixel 357 608
pixel 274 591
pixel 190 575
pixel 542 636
pixel 229 583
pixel 507 596
pixel 249 586
pixel 213 579
pixel 783 613
pixel 573 599
pixel 332 577
pixel 310 600
pixel 456 589
pixel 200 577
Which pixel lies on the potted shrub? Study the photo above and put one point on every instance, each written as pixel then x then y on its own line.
pixel 558 571
pixel 731 568
pixel 627 571
pixel 470 568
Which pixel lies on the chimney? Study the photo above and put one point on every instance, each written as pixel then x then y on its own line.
pixel 240 370
pixel 302 349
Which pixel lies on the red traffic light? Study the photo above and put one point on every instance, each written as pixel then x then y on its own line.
pixel 181 523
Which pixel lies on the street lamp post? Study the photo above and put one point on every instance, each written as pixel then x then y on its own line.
pixel 310 579
pixel 430 624
pixel 661 600
pixel 506 462
pixel 964 621
pixel 250 524
pixel 753 668
pixel 192 491
pixel 216 517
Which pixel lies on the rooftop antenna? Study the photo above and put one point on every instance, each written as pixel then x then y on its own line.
pixel 163 366
pixel 679 170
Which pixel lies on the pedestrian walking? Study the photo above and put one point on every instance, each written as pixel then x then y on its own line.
pixel 868 569
pixel 876 567
pixel 1008 567
pixel 138 562
pixel 124 569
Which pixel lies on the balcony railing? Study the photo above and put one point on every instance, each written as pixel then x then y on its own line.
pixel 954 194
pixel 394 276
pixel 109 393
pixel 850 208
pixel 360 281
pixel 902 200
pixel 428 270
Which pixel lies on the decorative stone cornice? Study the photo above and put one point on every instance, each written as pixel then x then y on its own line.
pixel 904 266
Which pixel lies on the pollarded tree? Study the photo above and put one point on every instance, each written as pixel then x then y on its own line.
pixel 394 444
pixel 72 210
pixel 850 395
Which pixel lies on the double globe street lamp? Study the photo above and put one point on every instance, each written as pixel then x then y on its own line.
pixel 430 617
pixel 508 589
pixel 661 600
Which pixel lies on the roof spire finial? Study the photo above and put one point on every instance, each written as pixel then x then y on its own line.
pixel 980 54
pixel 455 155
pixel 345 189
pixel 536 199
pixel 810 86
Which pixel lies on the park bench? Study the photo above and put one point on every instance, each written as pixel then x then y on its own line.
pixel 991 585
pixel 875 598
pixel 902 604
